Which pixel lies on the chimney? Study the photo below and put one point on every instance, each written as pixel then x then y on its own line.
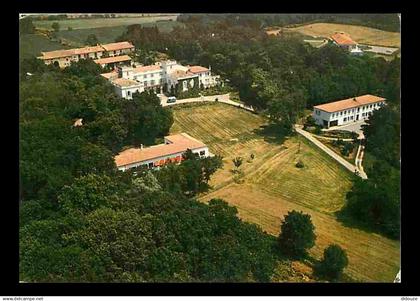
pixel 141 146
pixel 354 99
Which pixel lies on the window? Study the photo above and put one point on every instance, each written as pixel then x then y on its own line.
pixel 128 93
pixel 345 119
pixel 152 82
pixel 150 164
pixel 202 153
pixel 144 76
pixel 341 113
pixel 358 110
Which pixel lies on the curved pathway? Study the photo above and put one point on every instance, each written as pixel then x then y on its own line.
pixel 352 168
pixel 224 98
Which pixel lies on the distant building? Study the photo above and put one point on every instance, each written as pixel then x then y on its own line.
pixel 344 41
pixel 65 57
pixel 166 74
pixel 78 122
pixel 113 61
pixel 346 111
pixel 170 151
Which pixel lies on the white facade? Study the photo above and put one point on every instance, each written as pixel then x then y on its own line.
pixel 202 152
pixel 156 76
pixel 341 117
pixel 128 91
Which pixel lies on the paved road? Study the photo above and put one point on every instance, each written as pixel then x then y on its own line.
pixel 351 127
pixel 331 153
pixel 224 98
pixel 380 49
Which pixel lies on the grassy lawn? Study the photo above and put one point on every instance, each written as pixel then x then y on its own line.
pixel 32 45
pixel 100 22
pixel 360 34
pixel 272 185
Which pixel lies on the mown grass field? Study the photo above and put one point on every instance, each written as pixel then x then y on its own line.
pixel 272 185
pixel 100 22
pixel 360 34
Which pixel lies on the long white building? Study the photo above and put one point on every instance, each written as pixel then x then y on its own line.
pixel 158 155
pixel 347 110
pixel 161 76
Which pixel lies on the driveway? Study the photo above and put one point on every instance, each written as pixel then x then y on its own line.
pixel 351 127
pixel 352 168
pixel 224 98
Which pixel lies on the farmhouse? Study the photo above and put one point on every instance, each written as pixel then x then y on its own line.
pixel 158 155
pixel 344 41
pixel 65 57
pixel 164 75
pixel 347 110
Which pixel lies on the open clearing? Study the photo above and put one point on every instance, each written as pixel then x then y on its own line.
pixel 100 22
pixel 272 185
pixel 360 34
pixel 32 44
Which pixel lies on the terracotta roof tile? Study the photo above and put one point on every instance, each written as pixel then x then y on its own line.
pixel 123 82
pixel 117 46
pixel 113 59
pixel 198 69
pixel 180 143
pixel 141 69
pixel 343 39
pixel 349 103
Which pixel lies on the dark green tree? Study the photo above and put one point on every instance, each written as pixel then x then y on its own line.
pixel 333 263
pixel 297 234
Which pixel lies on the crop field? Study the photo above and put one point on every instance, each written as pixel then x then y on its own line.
pixel 360 34
pixel 272 185
pixel 101 22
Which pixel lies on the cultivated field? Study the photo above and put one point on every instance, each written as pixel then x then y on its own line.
pixel 272 185
pixel 360 34
pixel 100 22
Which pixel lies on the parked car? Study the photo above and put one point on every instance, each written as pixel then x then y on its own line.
pixel 171 99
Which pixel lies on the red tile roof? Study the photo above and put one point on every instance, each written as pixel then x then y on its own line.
pixel 113 59
pixel 117 46
pixel 180 143
pixel 349 103
pixel 141 69
pixel 342 39
pixel 198 69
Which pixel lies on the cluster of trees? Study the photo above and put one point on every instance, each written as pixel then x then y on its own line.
pixel 83 221
pixel 26 26
pixel 52 151
pixel 297 236
pixel 388 22
pixel 375 202
pixel 277 75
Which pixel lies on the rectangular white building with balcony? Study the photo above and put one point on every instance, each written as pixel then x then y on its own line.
pixel 347 110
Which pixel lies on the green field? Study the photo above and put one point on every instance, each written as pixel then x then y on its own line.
pixel 32 44
pixel 100 22
pixel 272 185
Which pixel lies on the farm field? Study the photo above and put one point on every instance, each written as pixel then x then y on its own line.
pixel 360 34
pixel 101 22
pixel 272 185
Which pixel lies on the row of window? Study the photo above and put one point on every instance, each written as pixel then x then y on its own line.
pixel 376 105
pixel 176 159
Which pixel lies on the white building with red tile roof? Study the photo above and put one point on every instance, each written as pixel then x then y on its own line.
pixel 66 56
pixel 347 110
pixel 156 76
pixel 344 41
pixel 170 151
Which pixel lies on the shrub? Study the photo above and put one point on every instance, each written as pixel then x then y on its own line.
pixel 297 234
pixel 333 263
pixel 300 164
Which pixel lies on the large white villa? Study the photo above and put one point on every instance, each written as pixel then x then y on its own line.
pixel 130 79
pixel 347 110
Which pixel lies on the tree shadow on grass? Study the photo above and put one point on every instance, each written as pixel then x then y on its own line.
pixel 348 221
pixel 272 133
